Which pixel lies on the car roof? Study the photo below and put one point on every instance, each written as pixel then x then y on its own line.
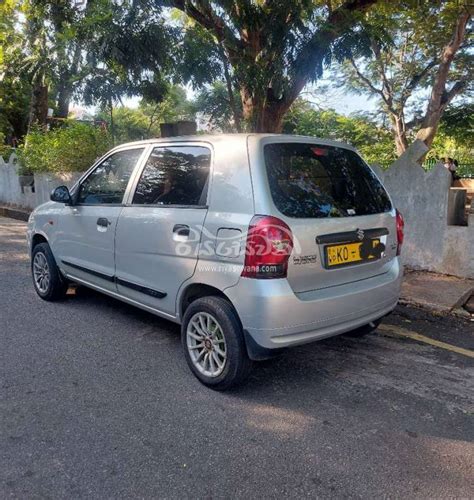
pixel 214 138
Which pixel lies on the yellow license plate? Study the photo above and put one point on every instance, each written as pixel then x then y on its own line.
pixel 348 253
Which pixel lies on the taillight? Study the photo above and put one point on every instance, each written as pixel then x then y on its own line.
pixel 268 248
pixel 400 227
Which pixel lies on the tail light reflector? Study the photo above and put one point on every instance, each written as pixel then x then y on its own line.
pixel 400 231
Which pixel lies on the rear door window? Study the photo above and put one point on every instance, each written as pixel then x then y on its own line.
pixel 311 181
pixel 175 175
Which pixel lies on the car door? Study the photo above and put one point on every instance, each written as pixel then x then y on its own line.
pixel 159 231
pixel 85 237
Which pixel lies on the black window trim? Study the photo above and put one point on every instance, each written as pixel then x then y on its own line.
pixel 150 205
pixel 143 163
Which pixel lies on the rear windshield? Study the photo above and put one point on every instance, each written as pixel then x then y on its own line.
pixel 307 180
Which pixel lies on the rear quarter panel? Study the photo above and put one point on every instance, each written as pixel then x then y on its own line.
pixel 231 207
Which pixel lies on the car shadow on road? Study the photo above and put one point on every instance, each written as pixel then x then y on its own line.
pixel 158 326
pixel 376 378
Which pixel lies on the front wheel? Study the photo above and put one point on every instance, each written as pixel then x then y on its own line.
pixel 213 343
pixel 49 284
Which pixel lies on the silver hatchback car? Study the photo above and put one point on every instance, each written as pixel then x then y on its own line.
pixel 252 242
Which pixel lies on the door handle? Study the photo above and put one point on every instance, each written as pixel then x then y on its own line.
pixel 103 221
pixel 181 230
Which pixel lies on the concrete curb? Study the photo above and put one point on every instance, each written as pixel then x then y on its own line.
pixel 438 294
pixel 436 310
pixel 14 213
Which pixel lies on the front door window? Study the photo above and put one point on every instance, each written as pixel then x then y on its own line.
pixel 108 182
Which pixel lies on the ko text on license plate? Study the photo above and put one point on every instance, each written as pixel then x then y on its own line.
pixel 349 253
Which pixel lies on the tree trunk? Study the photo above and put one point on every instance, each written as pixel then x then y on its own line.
pixel 429 128
pixel 39 104
pixel 271 119
pixel 112 122
pixel 264 114
pixel 230 91
pixel 434 113
pixel 399 134
pixel 66 86
pixel 440 97
pixel 64 99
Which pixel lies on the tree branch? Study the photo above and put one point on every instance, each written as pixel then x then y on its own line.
pixel 365 80
pixel 204 15
pixel 337 22
pixel 440 97
pixel 387 90
pixel 414 122
pixel 446 59
pixel 387 100
pixel 416 79
pixel 455 90
pixel 152 119
pixel 230 91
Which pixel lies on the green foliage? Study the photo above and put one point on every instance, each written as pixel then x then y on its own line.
pixel 6 24
pixel 95 52
pixel 72 148
pixel 212 103
pixel 271 49
pixel 15 87
pixel 15 94
pixel 132 124
pixel 445 146
pixel 455 139
pixel 128 52
pixel 406 44
pixel 458 121
pixel 402 67
pixel 199 61
pixel 5 150
pixel 373 142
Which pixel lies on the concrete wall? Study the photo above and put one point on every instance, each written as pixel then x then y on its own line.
pixel 14 194
pixel 422 198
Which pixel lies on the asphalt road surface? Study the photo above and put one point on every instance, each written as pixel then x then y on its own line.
pixel 97 401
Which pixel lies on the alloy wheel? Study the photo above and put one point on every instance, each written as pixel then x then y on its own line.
pixel 41 272
pixel 206 344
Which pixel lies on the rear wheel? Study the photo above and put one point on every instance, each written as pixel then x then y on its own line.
pixel 364 330
pixel 47 279
pixel 213 343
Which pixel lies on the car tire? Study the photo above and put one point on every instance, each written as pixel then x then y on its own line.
pixel 221 340
pixel 364 330
pixel 47 279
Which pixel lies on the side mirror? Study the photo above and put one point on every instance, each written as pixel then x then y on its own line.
pixel 61 195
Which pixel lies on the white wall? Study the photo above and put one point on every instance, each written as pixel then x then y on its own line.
pixel 422 198
pixel 11 192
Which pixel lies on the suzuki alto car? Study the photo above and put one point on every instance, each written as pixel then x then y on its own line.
pixel 252 242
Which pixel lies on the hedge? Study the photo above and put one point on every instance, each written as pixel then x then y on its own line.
pixel 71 148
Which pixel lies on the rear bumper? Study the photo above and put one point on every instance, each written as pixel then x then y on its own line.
pixel 275 317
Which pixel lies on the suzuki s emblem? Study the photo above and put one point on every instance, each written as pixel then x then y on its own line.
pixel 360 234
